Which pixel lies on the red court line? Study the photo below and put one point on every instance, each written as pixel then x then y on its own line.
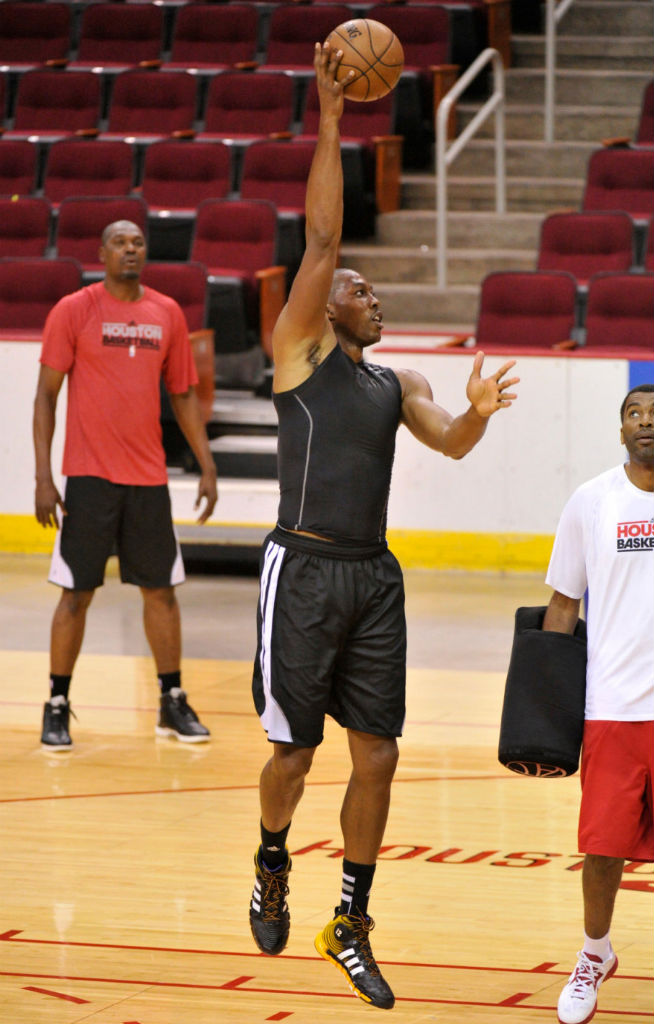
pixel 233 788
pixel 543 968
pixel 57 995
pixel 295 992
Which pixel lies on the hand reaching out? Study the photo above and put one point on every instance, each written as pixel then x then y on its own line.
pixel 488 394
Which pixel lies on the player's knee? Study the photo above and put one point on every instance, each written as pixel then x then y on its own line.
pixel 163 596
pixel 293 762
pixel 75 602
pixel 376 758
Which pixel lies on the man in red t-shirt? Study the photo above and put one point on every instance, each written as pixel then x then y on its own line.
pixel 115 340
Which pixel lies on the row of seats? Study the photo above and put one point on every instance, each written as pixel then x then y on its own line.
pixel 541 309
pixel 583 244
pixel 236 241
pixel 152 104
pixel 517 309
pixel 179 174
pixel 210 38
pixel 208 35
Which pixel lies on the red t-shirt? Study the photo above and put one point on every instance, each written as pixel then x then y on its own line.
pixel 115 354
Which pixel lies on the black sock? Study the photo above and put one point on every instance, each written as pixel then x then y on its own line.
pixel 273 847
pixel 59 686
pixel 357 883
pixel 169 679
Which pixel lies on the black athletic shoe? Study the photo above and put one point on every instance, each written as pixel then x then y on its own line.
pixel 270 920
pixel 345 942
pixel 177 718
pixel 56 715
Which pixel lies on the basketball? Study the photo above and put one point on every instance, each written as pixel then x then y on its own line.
pixel 373 51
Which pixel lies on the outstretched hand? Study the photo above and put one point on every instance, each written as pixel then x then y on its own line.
pixel 488 394
pixel 325 61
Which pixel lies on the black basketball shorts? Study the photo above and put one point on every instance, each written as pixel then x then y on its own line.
pixel 102 519
pixel 331 640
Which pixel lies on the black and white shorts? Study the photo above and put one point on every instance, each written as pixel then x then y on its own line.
pixel 103 519
pixel 331 640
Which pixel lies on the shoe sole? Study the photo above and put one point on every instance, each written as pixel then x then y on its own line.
pixel 594 1010
pixel 327 955
pixel 164 732
pixel 54 747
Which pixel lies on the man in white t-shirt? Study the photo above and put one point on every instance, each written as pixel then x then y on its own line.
pixel 605 545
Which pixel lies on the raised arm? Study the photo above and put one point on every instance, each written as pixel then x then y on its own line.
pixel 303 336
pixel 455 436
pixel 46 497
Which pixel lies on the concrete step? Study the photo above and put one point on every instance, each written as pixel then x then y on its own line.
pixel 575 123
pixel 414 228
pixel 574 87
pixel 413 304
pixel 245 456
pixel 626 53
pixel 608 18
pixel 526 158
pixel 467 193
pixel 380 264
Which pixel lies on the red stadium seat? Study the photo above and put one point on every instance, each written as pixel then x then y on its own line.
pixel 123 35
pixel 211 37
pixel 586 243
pixel 242 106
pixel 151 105
pixel 278 172
pixel 17 167
pixel 293 32
pixel 81 222
pixel 237 242
pixel 519 309
pixel 34 33
pixel 620 312
pixel 187 284
pixel 56 104
pixel 177 177
pixel 77 167
pixel 621 179
pixel 24 227
pixel 29 288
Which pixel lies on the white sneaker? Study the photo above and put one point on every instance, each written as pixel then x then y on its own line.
pixel 578 1000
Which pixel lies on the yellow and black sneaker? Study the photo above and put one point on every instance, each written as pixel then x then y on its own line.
pixel 270 920
pixel 345 943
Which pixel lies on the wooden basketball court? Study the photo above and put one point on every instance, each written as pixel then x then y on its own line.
pixel 127 863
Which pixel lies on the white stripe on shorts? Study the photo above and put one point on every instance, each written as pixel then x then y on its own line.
pixel 60 571
pixel 273 718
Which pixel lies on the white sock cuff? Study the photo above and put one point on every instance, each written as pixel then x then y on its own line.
pixel 598 947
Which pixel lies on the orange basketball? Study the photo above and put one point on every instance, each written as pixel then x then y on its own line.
pixel 373 51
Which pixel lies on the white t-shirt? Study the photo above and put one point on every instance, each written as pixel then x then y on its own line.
pixel 605 543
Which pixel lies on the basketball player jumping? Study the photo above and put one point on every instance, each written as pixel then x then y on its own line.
pixel 332 635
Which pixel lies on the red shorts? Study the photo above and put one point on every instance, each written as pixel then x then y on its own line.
pixel 617 765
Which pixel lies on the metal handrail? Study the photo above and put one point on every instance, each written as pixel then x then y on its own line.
pixel 554 13
pixel 445 156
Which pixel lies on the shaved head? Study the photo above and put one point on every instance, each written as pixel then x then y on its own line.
pixel 119 227
pixel 341 276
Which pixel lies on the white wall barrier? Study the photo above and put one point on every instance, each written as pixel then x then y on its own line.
pixel 495 509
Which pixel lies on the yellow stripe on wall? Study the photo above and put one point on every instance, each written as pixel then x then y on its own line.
pixel 414 549
pixel 500 552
